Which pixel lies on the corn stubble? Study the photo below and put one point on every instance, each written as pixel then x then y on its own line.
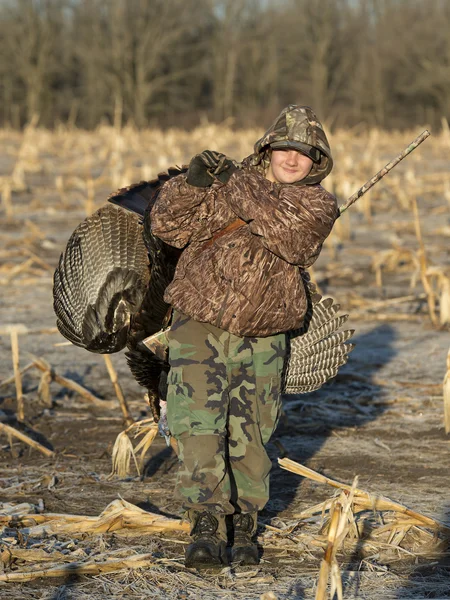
pixel 353 519
pixel 91 164
pixel 85 167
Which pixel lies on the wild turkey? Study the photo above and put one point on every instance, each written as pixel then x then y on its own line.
pixel 109 286
pixel 101 280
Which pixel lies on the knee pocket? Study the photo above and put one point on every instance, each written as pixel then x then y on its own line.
pixel 255 465
pixel 177 402
pixel 187 410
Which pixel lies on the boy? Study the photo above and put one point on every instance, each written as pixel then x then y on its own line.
pixel 237 290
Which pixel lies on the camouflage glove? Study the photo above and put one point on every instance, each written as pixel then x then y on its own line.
pixel 204 168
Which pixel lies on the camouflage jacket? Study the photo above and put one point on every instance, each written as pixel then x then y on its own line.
pixel 246 281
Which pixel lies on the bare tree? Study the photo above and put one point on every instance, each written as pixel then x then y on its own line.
pixel 382 62
pixel 136 49
pixel 31 30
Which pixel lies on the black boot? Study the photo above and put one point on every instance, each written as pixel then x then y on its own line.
pixel 244 549
pixel 208 532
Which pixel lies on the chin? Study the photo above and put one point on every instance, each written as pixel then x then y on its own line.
pixel 292 179
pixel 284 177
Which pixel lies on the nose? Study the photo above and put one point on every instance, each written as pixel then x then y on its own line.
pixel 291 158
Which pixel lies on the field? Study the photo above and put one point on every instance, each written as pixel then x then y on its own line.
pixel 387 263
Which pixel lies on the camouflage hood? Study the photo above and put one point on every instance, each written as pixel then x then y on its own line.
pixel 295 127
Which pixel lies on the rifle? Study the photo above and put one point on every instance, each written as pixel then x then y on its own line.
pixel 362 190
pixel 384 171
pixel 158 343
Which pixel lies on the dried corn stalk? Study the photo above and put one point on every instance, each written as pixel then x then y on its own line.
pixel 447 395
pixel 17 377
pixel 12 432
pixel 440 279
pixel 88 568
pixel 363 500
pixel 123 449
pixel 431 296
pixel 121 456
pixel 341 520
pixel 119 516
pixel 118 389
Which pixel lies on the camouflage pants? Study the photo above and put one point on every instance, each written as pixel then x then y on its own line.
pixel 223 404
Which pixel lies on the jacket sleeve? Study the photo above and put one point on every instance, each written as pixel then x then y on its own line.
pixel 292 224
pixel 179 211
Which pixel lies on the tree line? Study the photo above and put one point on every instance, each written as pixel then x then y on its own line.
pixel 382 63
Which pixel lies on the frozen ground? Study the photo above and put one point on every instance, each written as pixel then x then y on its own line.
pixel 380 419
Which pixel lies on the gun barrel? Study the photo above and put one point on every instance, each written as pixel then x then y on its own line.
pixel 384 171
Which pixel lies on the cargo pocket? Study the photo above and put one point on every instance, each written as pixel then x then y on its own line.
pixel 177 418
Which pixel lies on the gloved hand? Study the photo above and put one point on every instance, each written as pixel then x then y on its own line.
pixel 210 165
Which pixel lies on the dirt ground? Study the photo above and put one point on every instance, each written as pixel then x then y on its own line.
pixel 381 419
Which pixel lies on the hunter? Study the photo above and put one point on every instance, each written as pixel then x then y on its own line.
pixel 247 230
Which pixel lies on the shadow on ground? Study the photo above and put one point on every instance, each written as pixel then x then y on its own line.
pixel 352 399
pixel 430 579
pixel 66 590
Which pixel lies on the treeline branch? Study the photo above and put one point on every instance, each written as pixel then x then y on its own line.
pixel 176 62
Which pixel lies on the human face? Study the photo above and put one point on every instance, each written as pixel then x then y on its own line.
pixel 288 166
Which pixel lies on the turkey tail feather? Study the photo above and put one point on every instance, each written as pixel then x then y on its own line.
pixel 99 283
pixel 318 348
pixel 138 197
